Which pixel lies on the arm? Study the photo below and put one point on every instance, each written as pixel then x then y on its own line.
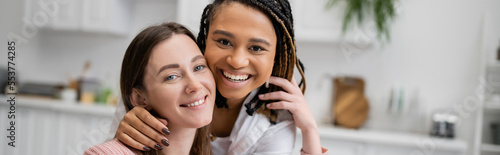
pixel 293 100
pixel 141 130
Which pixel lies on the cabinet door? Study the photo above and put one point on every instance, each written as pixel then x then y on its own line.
pixel 107 16
pixel 104 16
pixel 315 23
pixel 68 17
pixel 95 15
pixel 60 16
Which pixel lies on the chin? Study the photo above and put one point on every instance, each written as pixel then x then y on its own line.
pixel 202 120
pixel 201 123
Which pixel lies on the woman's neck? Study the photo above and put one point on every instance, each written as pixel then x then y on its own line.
pixel 235 104
pixel 223 119
pixel 180 140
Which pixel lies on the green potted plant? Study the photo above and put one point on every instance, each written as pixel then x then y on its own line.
pixel 382 11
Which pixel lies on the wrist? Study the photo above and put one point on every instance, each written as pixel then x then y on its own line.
pixel 309 128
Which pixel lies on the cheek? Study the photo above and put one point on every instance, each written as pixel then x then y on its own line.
pixel 267 64
pixel 207 79
pixel 267 68
pixel 212 57
pixel 161 102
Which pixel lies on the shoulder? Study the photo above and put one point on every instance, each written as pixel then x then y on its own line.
pixel 285 126
pixel 111 147
pixel 277 139
pixel 283 131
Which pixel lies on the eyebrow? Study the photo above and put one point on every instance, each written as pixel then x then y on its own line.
pixel 258 40
pixel 167 67
pixel 197 57
pixel 177 65
pixel 230 35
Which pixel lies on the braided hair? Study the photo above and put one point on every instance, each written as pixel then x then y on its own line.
pixel 280 13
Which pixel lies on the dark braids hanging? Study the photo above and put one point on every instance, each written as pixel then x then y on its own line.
pixel 280 13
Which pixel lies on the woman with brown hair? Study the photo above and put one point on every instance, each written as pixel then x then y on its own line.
pixel 250 48
pixel 165 73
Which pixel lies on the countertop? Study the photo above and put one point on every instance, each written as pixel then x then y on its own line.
pixel 402 139
pixel 60 106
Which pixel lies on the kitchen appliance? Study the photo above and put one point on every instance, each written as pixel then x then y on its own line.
pixel 88 89
pixel 40 89
pixel 443 124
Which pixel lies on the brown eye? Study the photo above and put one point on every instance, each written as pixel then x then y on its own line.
pixel 256 48
pixel 224 42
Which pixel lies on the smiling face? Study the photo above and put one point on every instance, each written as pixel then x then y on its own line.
pixel 178 83
pixel 240 49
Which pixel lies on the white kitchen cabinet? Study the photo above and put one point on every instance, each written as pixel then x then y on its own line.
pixel 102 16
pixel 67 18
pixel 315 23
pixel 47 127
pixel 106 16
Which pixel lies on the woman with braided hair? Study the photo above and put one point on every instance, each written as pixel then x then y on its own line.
pixel 249 46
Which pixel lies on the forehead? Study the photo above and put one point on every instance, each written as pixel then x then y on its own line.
pixel 176 49
pixel 237 16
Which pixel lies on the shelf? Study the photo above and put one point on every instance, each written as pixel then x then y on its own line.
pixel 390 138
pixel 490 105
pixel 60 106
pixel 486 147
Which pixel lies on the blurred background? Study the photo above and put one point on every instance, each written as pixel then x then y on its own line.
pixel 432 88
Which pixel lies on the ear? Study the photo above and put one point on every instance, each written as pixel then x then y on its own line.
pixel 138 98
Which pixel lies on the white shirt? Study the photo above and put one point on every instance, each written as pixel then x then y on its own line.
pixel 256 135
pixel 250 134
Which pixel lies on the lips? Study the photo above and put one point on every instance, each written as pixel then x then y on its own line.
pixel 235 77
pixel 195 103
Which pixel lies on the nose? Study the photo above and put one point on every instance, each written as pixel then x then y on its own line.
pixel 238 58
pixel 193 84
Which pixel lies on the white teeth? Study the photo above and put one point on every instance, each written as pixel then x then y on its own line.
pixel 235 78
pixel 196 103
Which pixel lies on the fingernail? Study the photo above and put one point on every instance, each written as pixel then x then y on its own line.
pixel 261 95
pixel 165 142
pixel 267 83
pixel 146 148
pixel 158 147
pixel 166 131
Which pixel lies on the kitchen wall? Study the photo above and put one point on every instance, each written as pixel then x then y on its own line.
pixel 435 54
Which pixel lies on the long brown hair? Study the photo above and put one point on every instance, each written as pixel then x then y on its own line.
pixel 133 68
pixel 280 13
